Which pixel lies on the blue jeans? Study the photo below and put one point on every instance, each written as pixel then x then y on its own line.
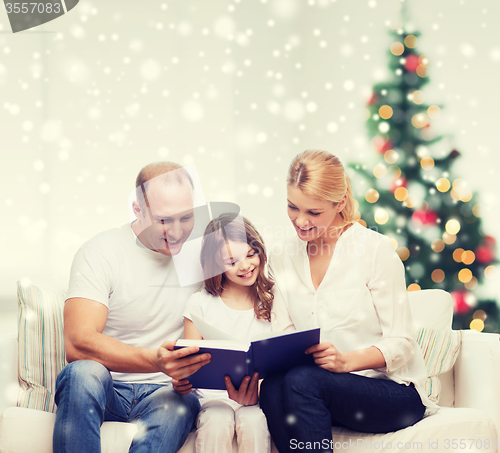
pixel 86 396
pixel 303 405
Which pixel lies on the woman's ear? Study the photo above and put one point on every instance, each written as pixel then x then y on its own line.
pixel 342 203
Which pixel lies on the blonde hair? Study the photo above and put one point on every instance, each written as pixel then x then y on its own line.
pixel 217 233
pixel 321 175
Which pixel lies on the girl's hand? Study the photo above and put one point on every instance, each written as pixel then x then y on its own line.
pixel 182 387
pixel 247 394
pixel 328 357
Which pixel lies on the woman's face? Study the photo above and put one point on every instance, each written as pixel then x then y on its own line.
pixel 241 263
pixel 313 218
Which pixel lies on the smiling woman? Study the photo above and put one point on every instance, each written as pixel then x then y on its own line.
pixel 349 281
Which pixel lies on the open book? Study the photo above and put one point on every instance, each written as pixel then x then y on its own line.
pixel 267 353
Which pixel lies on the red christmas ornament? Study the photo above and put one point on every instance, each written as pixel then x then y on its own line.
pixel 460 305
pixel 422 217
pixel 412 62
pixel 484 254
pixel 373 99
pixel 400 182
pixel 381 144
pixel 490 241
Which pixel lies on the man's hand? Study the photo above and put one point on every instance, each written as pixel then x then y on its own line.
pixel 176 363
pixel 247 394
pixel 182 387
pixel 328 357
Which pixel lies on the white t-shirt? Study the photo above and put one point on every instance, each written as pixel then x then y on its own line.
pixel 242 325
pixel 361 302
pixel 140 287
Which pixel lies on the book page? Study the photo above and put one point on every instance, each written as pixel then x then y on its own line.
pixel 233 345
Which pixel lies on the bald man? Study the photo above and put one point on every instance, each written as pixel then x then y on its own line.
pixel 122 315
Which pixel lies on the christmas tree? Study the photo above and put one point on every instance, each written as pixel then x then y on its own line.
pixel 412 196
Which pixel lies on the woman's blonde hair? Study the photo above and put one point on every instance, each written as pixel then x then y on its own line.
pixel 218 232
pixel 321 175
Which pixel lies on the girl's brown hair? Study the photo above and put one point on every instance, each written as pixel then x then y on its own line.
pixel 227 227
pixel 321 175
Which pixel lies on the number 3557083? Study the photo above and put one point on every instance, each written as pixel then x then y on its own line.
pixel 33 8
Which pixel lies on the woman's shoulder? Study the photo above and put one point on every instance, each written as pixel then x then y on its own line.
pixel 367 235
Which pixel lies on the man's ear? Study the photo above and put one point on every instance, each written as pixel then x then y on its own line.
pixel 137 209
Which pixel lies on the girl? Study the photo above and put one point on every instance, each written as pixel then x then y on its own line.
pixel 237 299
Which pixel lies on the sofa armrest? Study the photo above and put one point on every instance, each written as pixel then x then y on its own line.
pixel 9 384
pixel 477 372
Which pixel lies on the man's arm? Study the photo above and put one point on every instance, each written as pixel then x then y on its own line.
pixel 84 321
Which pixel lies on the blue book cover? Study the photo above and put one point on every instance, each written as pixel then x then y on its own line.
pixel 279 352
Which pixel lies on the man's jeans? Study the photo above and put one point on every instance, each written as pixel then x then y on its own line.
pixel 302 405
pixel 86 396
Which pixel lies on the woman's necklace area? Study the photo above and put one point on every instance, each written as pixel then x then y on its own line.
pixel 313 249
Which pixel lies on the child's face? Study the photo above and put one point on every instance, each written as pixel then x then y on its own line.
pixel 241 263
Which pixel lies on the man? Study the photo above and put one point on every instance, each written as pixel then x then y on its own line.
pixel 124 301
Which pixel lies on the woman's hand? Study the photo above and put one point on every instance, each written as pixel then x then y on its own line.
pixel 247 394
pixel 182 387
pixel 328 357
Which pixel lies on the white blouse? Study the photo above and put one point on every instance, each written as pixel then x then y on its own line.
pixel 361 302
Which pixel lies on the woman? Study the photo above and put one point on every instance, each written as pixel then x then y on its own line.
pixel 349 281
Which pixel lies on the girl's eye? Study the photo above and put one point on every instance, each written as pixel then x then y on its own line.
pixel 251 254
pixel 292 207
pixel 315 213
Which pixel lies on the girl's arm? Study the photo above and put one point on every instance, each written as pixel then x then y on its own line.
pixel 184 387
pixel 190 331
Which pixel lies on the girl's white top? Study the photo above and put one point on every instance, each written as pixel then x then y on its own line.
pixel 361 302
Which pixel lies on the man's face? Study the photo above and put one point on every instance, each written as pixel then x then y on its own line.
pixel 168 221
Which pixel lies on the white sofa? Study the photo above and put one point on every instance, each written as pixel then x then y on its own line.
pixel 468 420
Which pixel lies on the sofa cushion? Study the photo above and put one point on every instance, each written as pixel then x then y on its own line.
pixel 41 345
pixel 432 313
pixel 448 430
pixel 16 422
pixel 440 350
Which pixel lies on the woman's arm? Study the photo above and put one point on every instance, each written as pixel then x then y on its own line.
pixel 328 357
pixel 387 286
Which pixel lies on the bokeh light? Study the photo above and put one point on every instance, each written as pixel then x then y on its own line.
pixel 381 216
pixel 401 193
pixel 411 41
pixel 449 238
pixel 465 275
pixel 457 255
pixel 427 163
pixel 385 112
pixel 403 253
pixel 437 245
pixel 468 257
pixel 372 196
pixel 434 111
pixel 452 226
pixel 477 324
pixel 397 48
pixel 437 276
pixel 380 171
pixel 414 287
pixel 391 156
pixel 420 120
pixel 443 185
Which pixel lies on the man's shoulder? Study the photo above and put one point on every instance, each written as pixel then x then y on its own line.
pixel 109 239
